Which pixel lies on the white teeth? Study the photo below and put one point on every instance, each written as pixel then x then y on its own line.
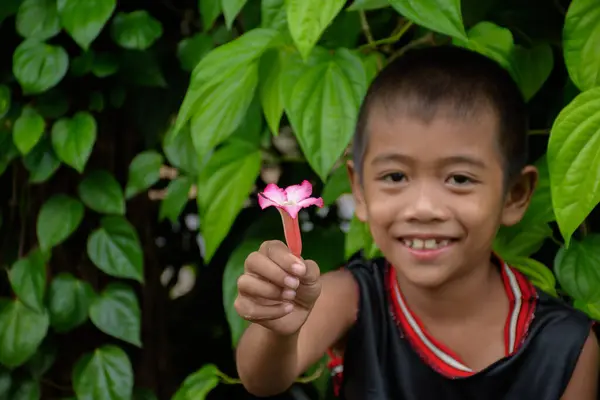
pixel 428 244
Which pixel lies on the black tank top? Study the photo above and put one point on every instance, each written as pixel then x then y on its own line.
pixel 389 355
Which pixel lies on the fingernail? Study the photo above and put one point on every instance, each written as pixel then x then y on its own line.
pixel 288 294
pixel 298 269
pixel 288 308
pixel 291 282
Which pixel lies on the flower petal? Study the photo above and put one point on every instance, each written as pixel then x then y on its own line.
pixel 311 201
pixel 297 193
pixel 292 210
pixel 273 195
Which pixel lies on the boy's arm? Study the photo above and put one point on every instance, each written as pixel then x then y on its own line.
pixel 584 381
pixel 268 363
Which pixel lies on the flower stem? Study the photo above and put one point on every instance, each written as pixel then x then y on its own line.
pixel 291 230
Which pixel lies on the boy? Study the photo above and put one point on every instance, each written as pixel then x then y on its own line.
pixel 439 164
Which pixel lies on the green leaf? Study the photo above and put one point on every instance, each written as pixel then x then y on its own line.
pixel 73 139
pixel 191 50
pixel 573 161
pixel 521 240
pixel 43 359
pixel 23 329
pixel 5 100
pixel 115 249
pixel 359 238
pixel 540 275
pixel 8 150
pixel 41 161
pixel 592 310
pixel 68 302
pixel 226 183
pixel 26 389
pixel 337 185
pixel 59 217
pixel 116 312
pixel 5 383
pixel 231 8
pixel 308 19
pixel 144 171
pixel 104 64
pixel 175 199
pixel 374 62
pixel 222 109
pixel 136 30
pixel 38 19
pixel 273 14
pixel 8 8
pixel 101 192
pixel 577 269
pixel 28 129
pixel 271 96
pixel 531 68
pixel 581 39
pixel 39 66
pixel 368 5
pixel 84 20
pixel 218 66
pixel 209 11
pixel 28 280
pixel 233 270
pixel 199 384
pixel 443 16
pixel 490 40
pixel 324 107
pixel 105 374
pixel 179 150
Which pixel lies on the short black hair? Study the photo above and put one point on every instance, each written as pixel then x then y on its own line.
pixel 424 80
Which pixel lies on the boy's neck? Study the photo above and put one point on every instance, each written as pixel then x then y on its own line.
pixel 458 300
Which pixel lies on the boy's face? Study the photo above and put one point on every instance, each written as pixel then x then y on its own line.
pixel 433 193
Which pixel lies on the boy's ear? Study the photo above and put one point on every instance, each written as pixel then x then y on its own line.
pixel 518 196
pixel 360 207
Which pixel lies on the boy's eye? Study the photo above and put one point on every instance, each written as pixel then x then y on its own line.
pixel 394 177
pixel 460 180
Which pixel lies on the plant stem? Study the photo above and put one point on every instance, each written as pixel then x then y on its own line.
pixel 539 132
pixel 428 38
pixel 389 40
pixel 366 29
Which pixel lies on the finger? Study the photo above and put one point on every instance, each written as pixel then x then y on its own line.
pixel 282 256
pixel 251 311
pixel 312 273
pixel 252 286
pixel 263 267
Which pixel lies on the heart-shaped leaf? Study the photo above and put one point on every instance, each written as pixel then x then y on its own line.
pixel 41 161
pixel 209 11
pixel 28 280
pixel 199 384
pixel 443 16
pixel 73 139
pixel 578 269
pixel 337 184
pixel 23 329
pixel 38 19
pixel 308 19
pixel 105 374
pixel 573 161
pixel 144 171
pixel 531 68
pixel 115 249
pixel 581 35
pixel 116 312
pixel 540 275
pixel 176 198
pixel 59 217
pixel 101 192
pixel 39 66
pixel 28 129
pixel 68 302
pixel 179 150
pixel 136 30
pixel 271 97
pixel 84 20
pixel 521 240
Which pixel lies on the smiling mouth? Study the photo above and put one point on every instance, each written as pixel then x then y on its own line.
pixel 427 243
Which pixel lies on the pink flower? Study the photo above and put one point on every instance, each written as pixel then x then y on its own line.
pixel 289 202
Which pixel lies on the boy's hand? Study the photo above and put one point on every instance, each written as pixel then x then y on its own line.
pixel 277 290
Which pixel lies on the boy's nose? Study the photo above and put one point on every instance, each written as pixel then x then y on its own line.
pixel 425 204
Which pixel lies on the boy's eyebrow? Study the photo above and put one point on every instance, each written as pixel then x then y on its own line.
pixel 456 159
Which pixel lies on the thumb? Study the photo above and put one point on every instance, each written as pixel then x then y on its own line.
pixel 310 285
